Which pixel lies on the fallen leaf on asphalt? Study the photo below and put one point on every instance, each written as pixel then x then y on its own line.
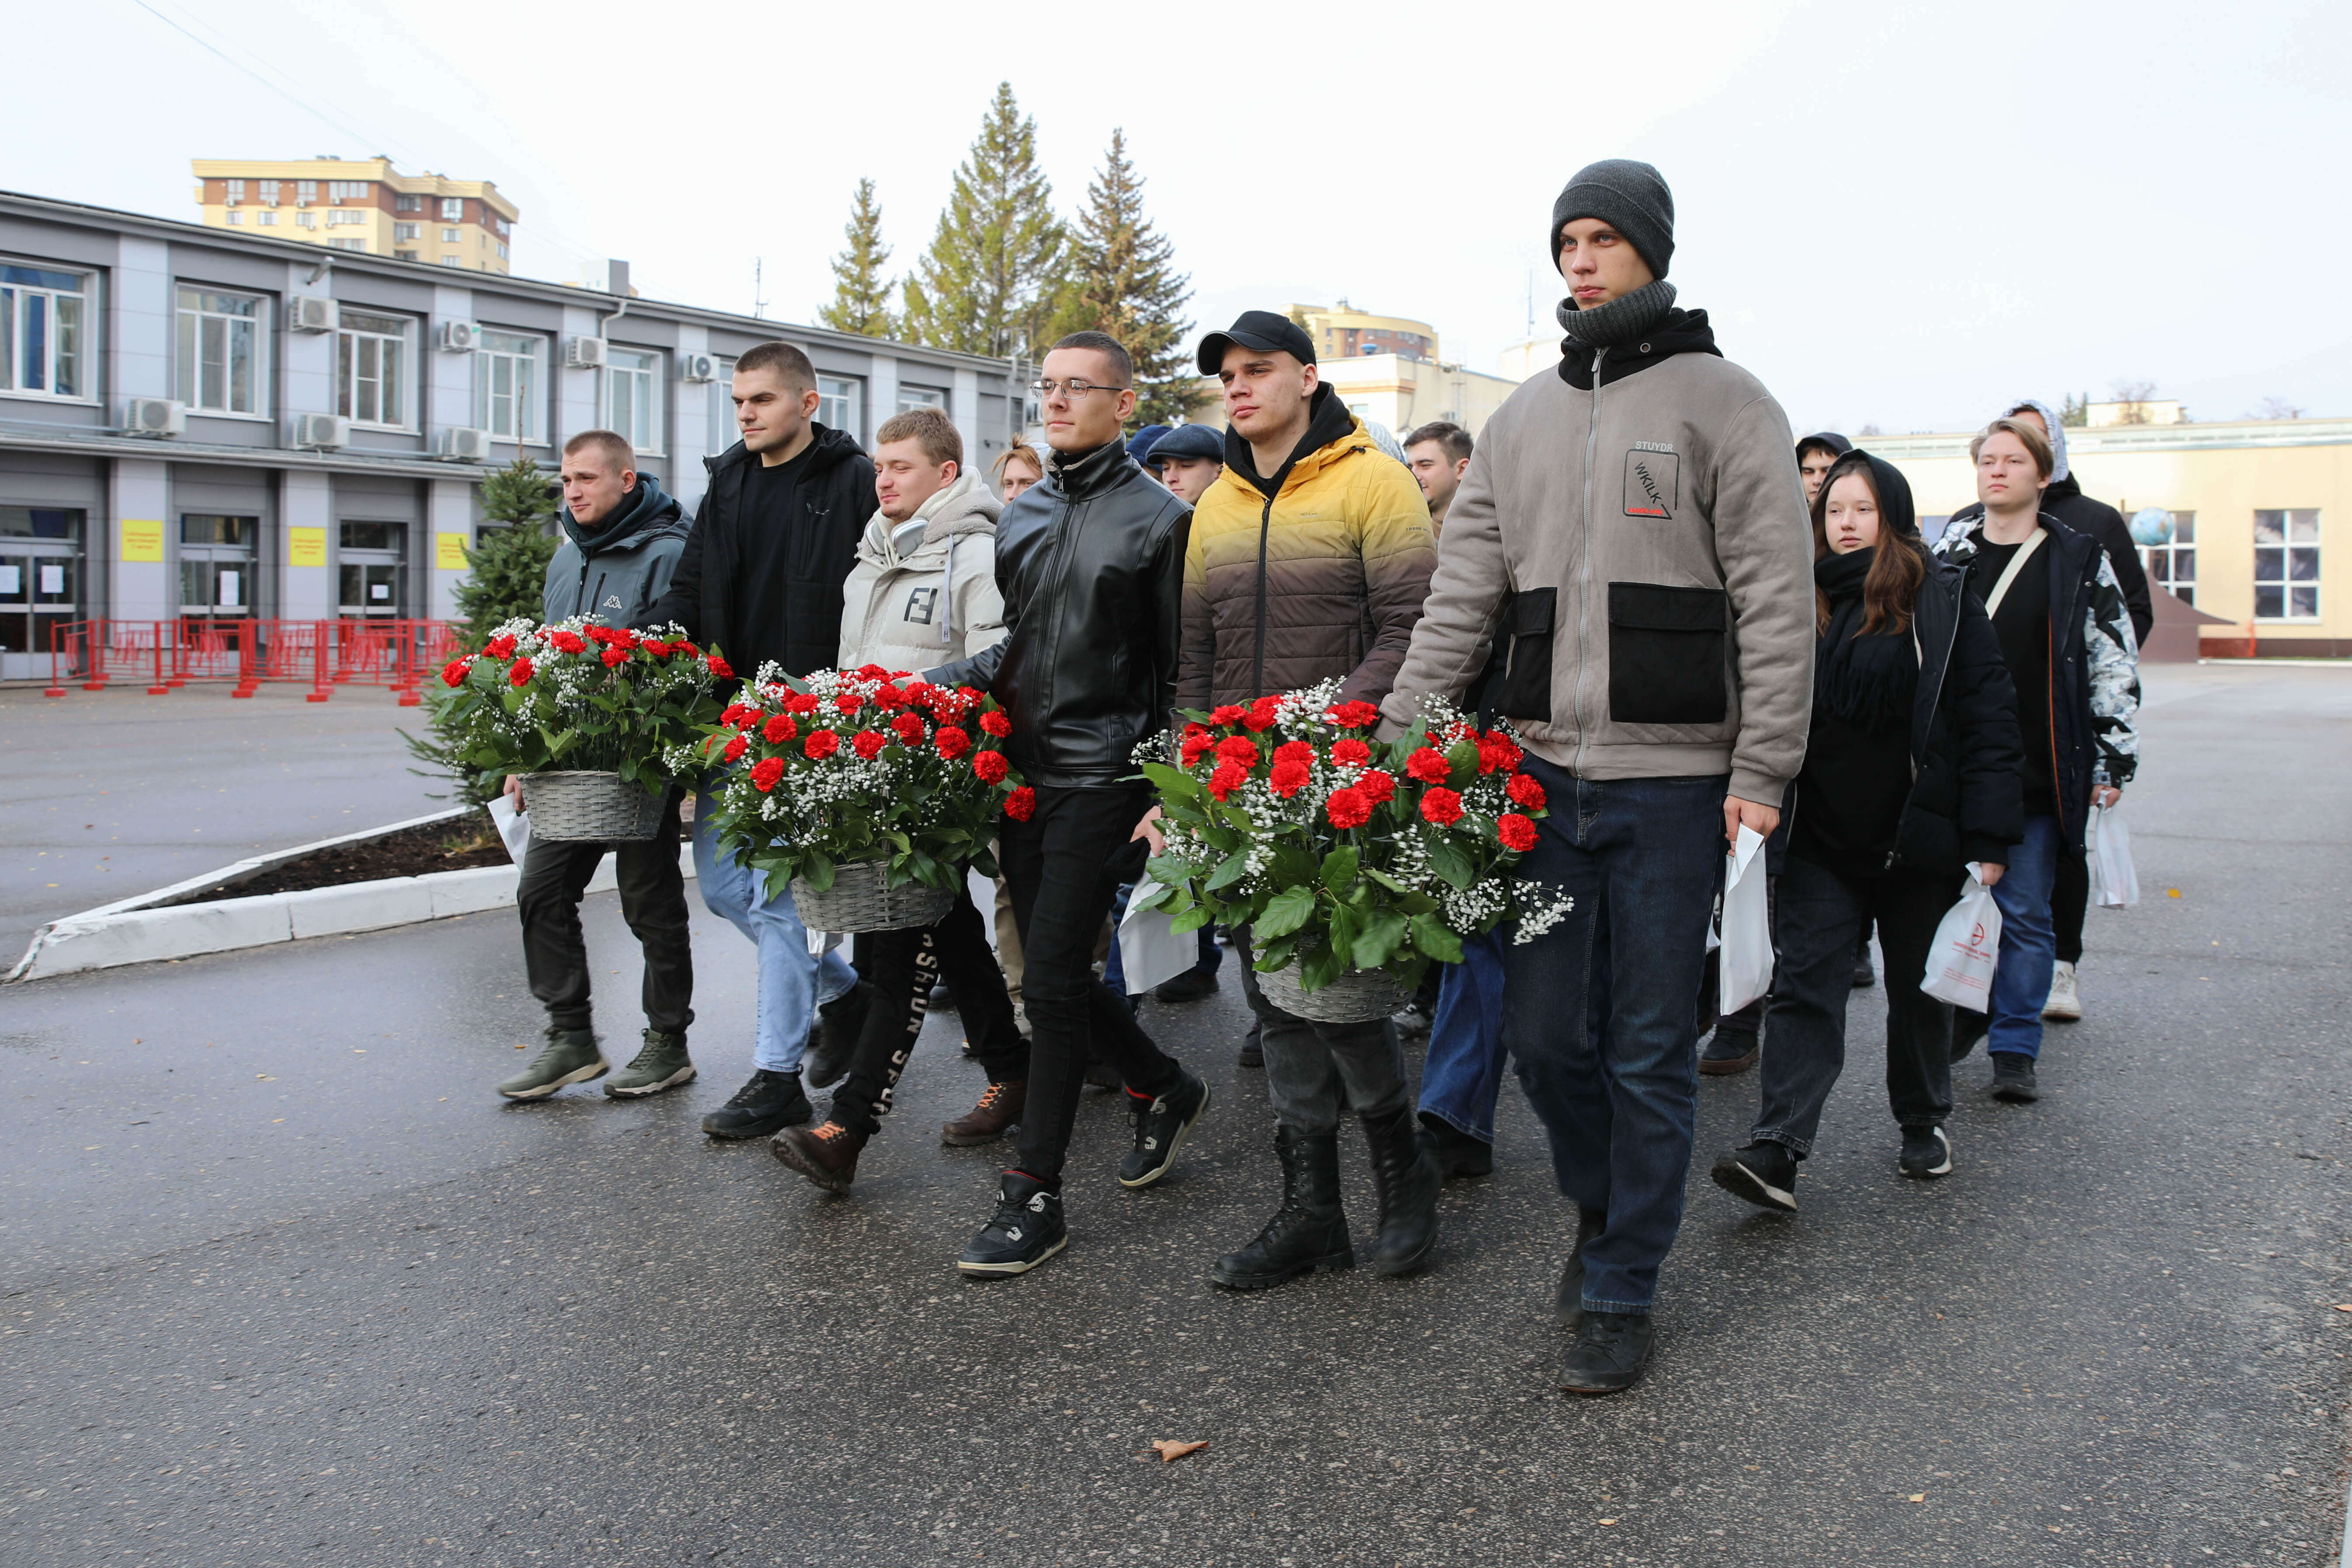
pixel 1607 1521
pixel 1170 1449
pixel 1918 1497
pixel 265 1077
pixel 2345 1307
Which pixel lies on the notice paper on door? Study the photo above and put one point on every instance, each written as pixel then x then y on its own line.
pixel 53 579
pixel 231 590
pixel 11 582
pixel 379 590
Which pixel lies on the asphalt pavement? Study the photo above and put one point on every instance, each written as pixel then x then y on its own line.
pixel 284 1283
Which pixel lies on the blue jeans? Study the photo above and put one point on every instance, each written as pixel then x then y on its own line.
pixel 2029 940
pixel 1463 1074
pixel 1600 1014
pixel 792 984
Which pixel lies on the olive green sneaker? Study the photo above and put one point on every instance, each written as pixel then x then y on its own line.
pixel 570 1056
pixel 663 1064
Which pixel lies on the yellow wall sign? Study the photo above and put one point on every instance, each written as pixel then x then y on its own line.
pixel 449 551
pixel 306 547
pixel 143 540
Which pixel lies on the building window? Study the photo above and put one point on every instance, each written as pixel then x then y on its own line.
pixel 502 250
pixel 453 209
pixel 42 337
pixel 2287 566
pixel 453 261
pixel 345 218
pixel 505 386
pixel 347 245
pixel 236 192
pixel 633 396
pixel 408 204
pixel 407 231
pixel 2172 566
pixel 266 220
pixel 269 193
pixel 340 191
pixel 221 353
pixel 40 575
pixel 306 220
pixel 499 224
pixel 840 404
pixel 371 367
pixel 217 556
pixel 922 398
pixel 233 215
pixel 305 192
pixel 403 255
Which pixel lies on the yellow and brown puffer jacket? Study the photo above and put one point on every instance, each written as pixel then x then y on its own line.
pixel 1316 574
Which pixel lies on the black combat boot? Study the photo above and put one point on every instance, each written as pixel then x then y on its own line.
pixel 1308 1232
pixel 1407 1180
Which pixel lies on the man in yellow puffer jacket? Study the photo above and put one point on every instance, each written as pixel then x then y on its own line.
pixel 1309 560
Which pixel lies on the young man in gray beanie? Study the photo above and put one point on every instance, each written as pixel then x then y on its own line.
pixel 1631 541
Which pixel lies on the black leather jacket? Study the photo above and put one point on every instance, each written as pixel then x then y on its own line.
pixel 1090 561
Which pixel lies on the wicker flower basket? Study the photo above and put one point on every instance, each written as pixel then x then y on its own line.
pixel 858 901
pixel 1359 996
pixel 575 807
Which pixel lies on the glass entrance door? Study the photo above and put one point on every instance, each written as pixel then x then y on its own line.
pixel 40 578
pixel 216 565
pixel 372 571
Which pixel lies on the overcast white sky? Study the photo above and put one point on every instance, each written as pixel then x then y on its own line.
pixel 1898 214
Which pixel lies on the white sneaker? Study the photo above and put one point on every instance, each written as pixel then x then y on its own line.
pixel 2065 1004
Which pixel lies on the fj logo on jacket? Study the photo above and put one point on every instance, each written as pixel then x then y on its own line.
pixel 1653 482
pixel 921 601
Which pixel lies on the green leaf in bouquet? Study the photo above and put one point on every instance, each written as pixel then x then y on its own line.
pixel 1169 869
pixel 1218 837
pixel 1346 925
pixel 818 870
pixel 1151 897
pixel 1463 758
pixel 1375 874
pixel 1173 781
pixel 1292 865
pixel 1446 859
pixel 984 863
pixel 1339 868
pixel 1229 872
pixel 1380 939
pixel 1286 911
pixel 1275 953
pixel 1432 937
pixel 1192 919
pixel 1321 966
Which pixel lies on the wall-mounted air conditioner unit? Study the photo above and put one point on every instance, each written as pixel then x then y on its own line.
pixel 154 416
pixel 584 354
pixel 459 445
pixel 696 367
pixel 312 313
pixel 322 432
pixel 460 337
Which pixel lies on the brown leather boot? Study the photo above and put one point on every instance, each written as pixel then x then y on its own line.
pixel 1000 1107
pixel 826 1155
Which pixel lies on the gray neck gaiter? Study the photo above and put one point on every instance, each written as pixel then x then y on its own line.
pixel 1621 320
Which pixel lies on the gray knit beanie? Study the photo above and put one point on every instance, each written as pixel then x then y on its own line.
pixel 1631 198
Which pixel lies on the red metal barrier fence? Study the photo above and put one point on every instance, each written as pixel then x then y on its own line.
pixel 165 653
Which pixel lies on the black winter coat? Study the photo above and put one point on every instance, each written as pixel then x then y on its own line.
pixel 2064 499
pixel 1966 803
pixel 768 588
pixel 1090 561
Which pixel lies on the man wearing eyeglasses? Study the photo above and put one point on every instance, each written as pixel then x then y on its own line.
pixel 1090 562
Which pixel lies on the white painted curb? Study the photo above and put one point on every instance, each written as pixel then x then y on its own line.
pixel 150 927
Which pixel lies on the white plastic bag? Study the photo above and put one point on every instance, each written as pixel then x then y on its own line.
pixel 514 826
pixel 1967 947
pixel 1747 956
pixel 1149 952
pixel 2114 884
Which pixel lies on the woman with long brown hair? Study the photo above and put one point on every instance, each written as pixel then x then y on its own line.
pixel 1910 775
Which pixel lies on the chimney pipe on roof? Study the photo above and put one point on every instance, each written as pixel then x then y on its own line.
pixel 616 279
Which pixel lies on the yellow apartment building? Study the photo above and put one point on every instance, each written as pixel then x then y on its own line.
pixel 2261 513
pixel 360 204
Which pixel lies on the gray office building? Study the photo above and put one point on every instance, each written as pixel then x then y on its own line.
pixel 201 423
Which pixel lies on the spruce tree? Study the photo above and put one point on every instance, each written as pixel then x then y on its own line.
pixel 507 566
pixel 986 285
pixel 861 295
pixel 1124 282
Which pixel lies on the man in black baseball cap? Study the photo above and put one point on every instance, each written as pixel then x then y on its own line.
pixel 1261 330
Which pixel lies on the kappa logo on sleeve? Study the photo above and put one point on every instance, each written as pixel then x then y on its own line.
pixel 1653 476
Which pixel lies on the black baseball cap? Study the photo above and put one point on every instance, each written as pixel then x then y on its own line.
pixel 1260 329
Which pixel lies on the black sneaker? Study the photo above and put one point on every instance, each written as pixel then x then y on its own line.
pixel 1193 985
pixel 1160 1128
pixel 1608 1353
pixel 1411 1022
pixel 1457 1152
pixel 770 1102
pixel 1764 1172
pixel 1927 1153
pixel 2013 1078
pixel 1729 1050
pixel 834 1039
pixel 1025 1230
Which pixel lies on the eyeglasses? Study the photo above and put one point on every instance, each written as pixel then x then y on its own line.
pixel 1052 389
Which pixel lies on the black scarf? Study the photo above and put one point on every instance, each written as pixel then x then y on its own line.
pixel 1868 682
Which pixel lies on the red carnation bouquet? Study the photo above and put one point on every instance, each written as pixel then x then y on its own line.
pixel 1342 852
pixel 578 695
pixel 861 767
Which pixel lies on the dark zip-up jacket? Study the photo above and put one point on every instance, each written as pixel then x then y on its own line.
pixel 768 588
pixel 2093 669
pixel 1966 803
pixel 2064 499
pixel 616 573
pixel 1090 561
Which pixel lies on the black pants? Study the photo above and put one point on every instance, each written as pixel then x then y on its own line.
pixel 1064 865
pixel 2070 896
pixel 1820 914
pixel 902 966
pixel 653 900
